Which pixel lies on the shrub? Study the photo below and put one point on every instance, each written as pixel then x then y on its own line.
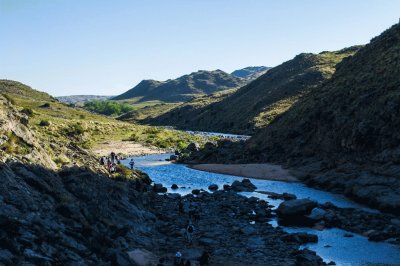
pixel 133 137
pixel 44 123
pixel 108 107
pixel 74 130
pixel 27 111
pixel 45 105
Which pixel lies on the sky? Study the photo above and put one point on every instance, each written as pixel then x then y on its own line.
pixel 105 47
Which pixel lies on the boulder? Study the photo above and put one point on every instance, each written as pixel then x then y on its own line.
pixel 173 157
pixel 227 187
pixel 245 185
pixel 159 188
pixel 174 186
pixel 196 191
pixel 296 207
pixel 213 187
pixel 317 214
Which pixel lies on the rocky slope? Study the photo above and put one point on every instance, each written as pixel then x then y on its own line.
pixel 258 103
pixel 250 73
pixel 342 136
pixel 183 88
pixel 347 127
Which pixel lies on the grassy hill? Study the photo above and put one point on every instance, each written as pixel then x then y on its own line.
pixel 57 126
pixel 258 103
pixel 183 88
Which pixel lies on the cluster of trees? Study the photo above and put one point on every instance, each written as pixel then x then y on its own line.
pixel 111 108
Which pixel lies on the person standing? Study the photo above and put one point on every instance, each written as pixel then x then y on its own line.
pixel 131 164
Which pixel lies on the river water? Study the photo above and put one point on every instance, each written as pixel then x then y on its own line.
pixel 332 245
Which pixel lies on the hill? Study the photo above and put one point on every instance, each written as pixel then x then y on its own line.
pixel 250 73
pixel 258 103
pixel 58 125
pixel 81 99
pixel 347 128
pixel 183 88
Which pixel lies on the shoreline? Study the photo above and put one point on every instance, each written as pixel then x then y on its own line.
pixel 262 171
pixel 125 148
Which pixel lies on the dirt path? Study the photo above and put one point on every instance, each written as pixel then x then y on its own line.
pixel 257 171
pixel 125 148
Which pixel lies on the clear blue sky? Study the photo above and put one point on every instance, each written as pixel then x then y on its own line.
pixel 104 47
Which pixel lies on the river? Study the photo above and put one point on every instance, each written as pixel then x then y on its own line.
pixel 332 245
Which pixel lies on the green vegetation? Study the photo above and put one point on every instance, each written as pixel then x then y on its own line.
pixel 27 111
pixel 44 123
pixel 110 108
pixel 14 144
pixel 61 126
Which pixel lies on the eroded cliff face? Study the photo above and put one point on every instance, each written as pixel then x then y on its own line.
pixel 17 140
pixel 60 216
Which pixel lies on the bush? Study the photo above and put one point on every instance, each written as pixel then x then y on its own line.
pixel 44 123
pixel 75 130
pixel 27 111
pixel 45 105
pixel 134 137
pixel 108 107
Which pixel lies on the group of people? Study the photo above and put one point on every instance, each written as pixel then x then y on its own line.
pixel 112 161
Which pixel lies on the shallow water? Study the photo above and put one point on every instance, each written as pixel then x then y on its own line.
pixel 344 251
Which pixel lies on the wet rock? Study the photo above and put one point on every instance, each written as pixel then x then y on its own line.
pixel 227 187
pixel 308 258
pixel 159 188
pixel 317 214
pixel 348 235
pixel 288 196
pixel 244 185
pixel 295 207
pixel 173 157
pixel 196 191
pixel 174 186
pixel 213 187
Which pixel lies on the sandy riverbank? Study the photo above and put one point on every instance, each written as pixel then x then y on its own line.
pixel 125 148
pixel 257 171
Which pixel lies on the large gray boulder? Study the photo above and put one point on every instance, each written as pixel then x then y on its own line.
pixel 296 207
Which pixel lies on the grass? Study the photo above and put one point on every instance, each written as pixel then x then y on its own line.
pixel 63 124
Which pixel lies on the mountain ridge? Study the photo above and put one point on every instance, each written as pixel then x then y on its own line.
pixel 256 104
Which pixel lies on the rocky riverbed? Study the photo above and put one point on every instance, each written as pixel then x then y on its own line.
pixel 81 217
